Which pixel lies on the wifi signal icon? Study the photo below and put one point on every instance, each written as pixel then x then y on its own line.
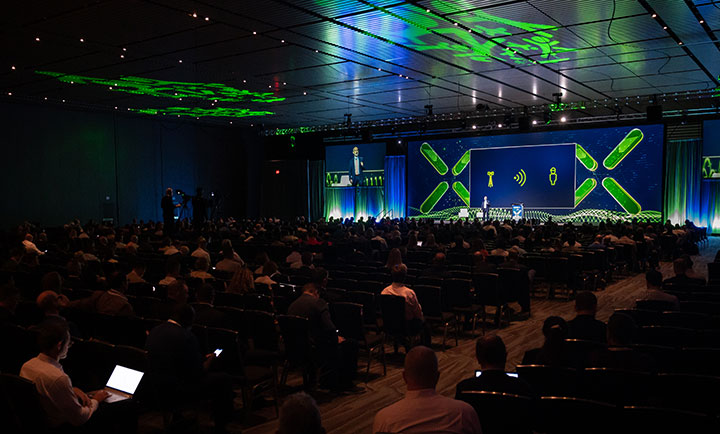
pixel 520 178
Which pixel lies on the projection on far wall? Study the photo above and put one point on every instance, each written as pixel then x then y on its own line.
pixel 577 175
pixel 208 92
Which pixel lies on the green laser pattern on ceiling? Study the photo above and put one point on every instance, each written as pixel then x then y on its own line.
pixel 200 112
pixel 490 37
pixel 169 89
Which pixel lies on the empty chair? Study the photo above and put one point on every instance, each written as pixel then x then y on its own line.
pixel 488 293
pixel 258 302
pixel 642 317
pixel 348 318
pixel 567 415
pixel 367 300
pixel 549 380
pixel 295 332
pixel 665 420
pixel 691 320
pixel 667 336
pixel 430 298
pixel 706 307
pixel 371 286
pixel 501 413
pixel 20 407
pixel 394 324
pixel 347 284
pixel 615 386
pixel 688 392
pixel 229 299
pixel 655 305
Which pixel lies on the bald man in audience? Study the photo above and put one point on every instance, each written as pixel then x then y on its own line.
pixel 423 410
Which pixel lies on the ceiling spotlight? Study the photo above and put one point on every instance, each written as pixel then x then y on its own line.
pixel 427 10
pixel 304 93
pixel 180 61
pixel 284 84
pixel 654 15
pixel 207 18
pixel 282 41
pixel 317 51
pixel 10 93
pixel 499 125
pixel 563 119
pixel 254 33
pixel 82 40
pixel 37 39
pixel 122 56
pixel 13 67
pixel 474 127
pixel 664 27
pixel 534 122
pixel 194 15
pixel 399 142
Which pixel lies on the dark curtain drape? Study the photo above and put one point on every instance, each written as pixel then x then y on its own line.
pixel 710 206
pixel 683 182
pixel 395 191
pixel 316 189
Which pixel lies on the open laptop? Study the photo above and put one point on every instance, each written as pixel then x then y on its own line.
pixel 122 383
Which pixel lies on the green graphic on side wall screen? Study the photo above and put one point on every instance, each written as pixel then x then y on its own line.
pixel 209 92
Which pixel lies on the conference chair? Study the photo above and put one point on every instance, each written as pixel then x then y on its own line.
pixel 20 408
pixel 689 392
pixel 295 331
pixel 569 415
pixel 430 298
pixel 665 420
pixel 394 324
pixel 616 386
pixel 348 318
pixel 501 413
pixel 548 380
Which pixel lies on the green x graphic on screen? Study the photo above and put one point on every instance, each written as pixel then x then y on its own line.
pixel 613 159
pixel 439 165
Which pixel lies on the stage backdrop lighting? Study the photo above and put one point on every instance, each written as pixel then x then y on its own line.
pixel 577 175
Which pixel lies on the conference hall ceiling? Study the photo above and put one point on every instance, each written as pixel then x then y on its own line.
pixel 308 62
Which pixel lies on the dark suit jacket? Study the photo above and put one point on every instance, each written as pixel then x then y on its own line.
pixel 174 357
pixel 495 381
pixel 588 328
pixel 322 329
pixel 351 167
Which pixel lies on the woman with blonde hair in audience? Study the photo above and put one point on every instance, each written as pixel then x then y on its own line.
pixel 242 281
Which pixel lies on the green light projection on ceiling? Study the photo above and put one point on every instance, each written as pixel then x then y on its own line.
pixel 168 89
pixel 203 112
pixel 210 92
pixel 491 37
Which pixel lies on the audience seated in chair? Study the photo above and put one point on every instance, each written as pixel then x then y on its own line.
pixel 423 410
pixel 338 355
pixel 438 268
pixel 680 267
pixel 179 372
pixel 299 414
pixel 202 250
pixel 205 312
pixel 554 351
pixel 413 311
pixel 62 403
pixel 584 325
pixel 492 356
pixel 620 333
pixel 137 273
pixel 201 270
pixel 653 282
pixel 172 268
pixel 269 274
pixel 242 281
pixel 9 299
pixel 110 302
pixel 229 262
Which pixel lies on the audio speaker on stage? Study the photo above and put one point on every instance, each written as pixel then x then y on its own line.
pixel 524 123
pixel 654 113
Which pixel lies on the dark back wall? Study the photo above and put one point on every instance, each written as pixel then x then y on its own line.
pixel 63 164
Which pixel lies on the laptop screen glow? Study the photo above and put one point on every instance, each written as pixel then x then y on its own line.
pixel 124 379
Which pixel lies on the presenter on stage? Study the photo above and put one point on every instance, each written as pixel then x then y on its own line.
pixel 168 208
pixel 356 167
pixel 485 208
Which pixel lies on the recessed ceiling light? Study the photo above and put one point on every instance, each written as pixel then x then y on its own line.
pixel 82 40
pixel 37 39
pixel 254 33
pixel 499 125
pixel 654 15
pixel 13 67
pixel 194 15
pixel 563 119
pixel 180 61
pixel 207 18
pixel 534 122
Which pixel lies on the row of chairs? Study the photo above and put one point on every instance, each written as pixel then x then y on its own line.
pixel 502 413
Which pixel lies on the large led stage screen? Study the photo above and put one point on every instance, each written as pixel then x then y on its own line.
pixel 574 175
